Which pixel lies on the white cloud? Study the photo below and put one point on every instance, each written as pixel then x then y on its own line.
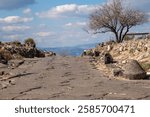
pixel 27 11
pixel 12 37
pixel 15 28
pixel 67 10
pixel 75 24
pixel 81 23
pixel 15 19
pixel 72 38
pixel 45 34
pixel 69 24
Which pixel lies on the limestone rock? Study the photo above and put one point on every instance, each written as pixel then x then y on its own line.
pixel 109 48
pixel 133 70
pixel 124 61
pixel 121 48
pixel 48 54
pixel 15 63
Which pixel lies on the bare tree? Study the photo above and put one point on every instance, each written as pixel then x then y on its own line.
pixel 116 18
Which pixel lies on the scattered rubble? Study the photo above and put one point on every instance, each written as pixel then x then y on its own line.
pixel 119 54
pixel 16 50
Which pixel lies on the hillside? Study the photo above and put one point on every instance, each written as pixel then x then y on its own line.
pixel 121 53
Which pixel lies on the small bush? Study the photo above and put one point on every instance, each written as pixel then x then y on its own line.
pixel 89 52
pixel 30 42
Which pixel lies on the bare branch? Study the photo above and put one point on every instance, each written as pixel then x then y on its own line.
pixel 113 17
pixel 86 30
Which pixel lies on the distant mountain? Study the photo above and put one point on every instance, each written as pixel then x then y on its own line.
pixel 72 51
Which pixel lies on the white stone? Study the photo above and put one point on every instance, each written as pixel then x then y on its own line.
pixel 108 48
pixel 123 62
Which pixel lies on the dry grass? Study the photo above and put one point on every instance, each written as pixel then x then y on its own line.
pixel 145 66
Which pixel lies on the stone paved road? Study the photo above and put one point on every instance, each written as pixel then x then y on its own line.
pixel 67 78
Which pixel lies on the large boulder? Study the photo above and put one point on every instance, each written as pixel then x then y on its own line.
pixel 132 70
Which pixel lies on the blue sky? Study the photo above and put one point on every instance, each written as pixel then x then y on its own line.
pixel 55 23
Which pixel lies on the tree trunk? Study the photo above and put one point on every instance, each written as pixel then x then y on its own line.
pixel 117 37
pixel 125 34
pixel 121 34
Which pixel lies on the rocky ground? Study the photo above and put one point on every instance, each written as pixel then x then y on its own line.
pixel 138 49
pixel 117 59
pixel 18 50
pixel 65 77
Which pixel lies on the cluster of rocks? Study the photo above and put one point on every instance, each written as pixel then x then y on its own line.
pixel 123 59
pixel 16 50
pixel 138 49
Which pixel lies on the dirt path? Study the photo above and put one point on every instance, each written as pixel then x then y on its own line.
pixel 67 78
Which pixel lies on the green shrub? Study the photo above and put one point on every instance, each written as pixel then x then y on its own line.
pixel 30 42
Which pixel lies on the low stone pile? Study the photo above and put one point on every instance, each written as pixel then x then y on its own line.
pixel 126 59
pixel 138 49
pixel 16 50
